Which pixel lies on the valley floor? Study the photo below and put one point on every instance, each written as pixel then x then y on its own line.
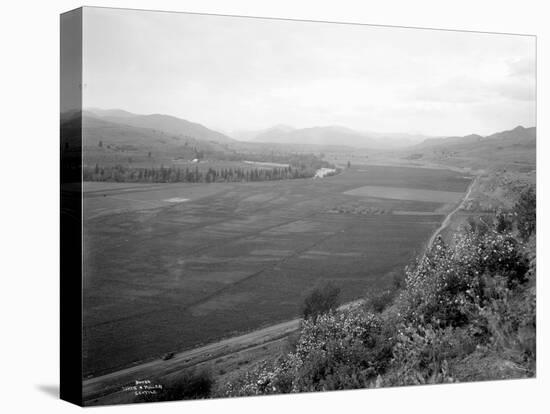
pixel 257 345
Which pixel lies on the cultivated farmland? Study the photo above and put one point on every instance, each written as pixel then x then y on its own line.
pixel 172 266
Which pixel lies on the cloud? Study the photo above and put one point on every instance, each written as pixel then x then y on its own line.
pixel 243 73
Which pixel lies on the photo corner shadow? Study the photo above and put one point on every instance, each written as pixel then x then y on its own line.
pixel 49 389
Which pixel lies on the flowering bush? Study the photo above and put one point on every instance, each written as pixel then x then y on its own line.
pixel 338 350
pixel 339 329
pixel 267 378
pixel 446 286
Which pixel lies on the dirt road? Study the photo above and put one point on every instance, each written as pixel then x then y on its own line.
pixel 447 220
pixel 101 386
pixel 110 386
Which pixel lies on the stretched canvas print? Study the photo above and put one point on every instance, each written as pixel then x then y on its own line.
pixel 257 206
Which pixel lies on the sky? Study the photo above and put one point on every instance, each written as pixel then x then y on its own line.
pixel 236 73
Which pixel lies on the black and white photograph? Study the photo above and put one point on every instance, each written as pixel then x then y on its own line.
pixel 269 207
pixel 273 206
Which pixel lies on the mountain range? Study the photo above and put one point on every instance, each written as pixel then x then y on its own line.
pixel 277 135
pixel 517 135
pixel 330 135
pixel 123 129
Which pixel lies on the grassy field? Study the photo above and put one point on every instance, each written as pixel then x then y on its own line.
pixel 413 194
pixel 163 275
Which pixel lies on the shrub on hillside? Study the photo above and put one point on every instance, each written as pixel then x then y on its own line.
pixel 343 327
pixel 421 354
pixel 343 350
pixel 446 285
pixel 504 223
pixel 510 321
pixel 337 350
pixel 269 377
pixel 526 210
pixel 320 299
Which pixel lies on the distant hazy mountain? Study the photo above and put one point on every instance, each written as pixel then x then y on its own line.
pixel 517 135
pixel 110 113
pixel 430 142
pixel 515 148
pixel 262 135
pixel 165 123
pixel 273 133
pixel 329 136
pixel 278 134
pixel 396 139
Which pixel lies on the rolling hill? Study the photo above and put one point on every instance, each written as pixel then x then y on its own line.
pixel 112 137
pixel 515 148
pixel 165 123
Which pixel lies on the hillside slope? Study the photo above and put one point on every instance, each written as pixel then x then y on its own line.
pixel 164 123
pixel 513 149
pixel 108 142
